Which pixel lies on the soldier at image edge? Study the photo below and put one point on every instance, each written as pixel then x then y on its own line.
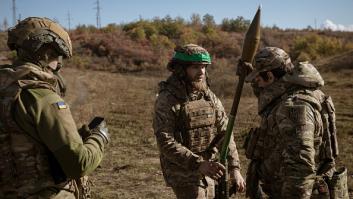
pixel 42 154
pixel 293 151
pixel 187 119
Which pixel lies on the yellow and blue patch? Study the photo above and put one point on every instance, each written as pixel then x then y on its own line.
pixel 61 105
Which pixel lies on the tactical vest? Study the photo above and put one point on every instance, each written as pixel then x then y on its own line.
pixel 24 164
pixel 328 150
pixel 197 120
pixel 326 141
pixel 329 182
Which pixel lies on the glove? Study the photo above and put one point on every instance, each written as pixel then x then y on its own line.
pixel 98 126
pixel 244 68
pixel 84 131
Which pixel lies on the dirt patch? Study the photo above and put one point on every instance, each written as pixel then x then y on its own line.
pixel 131 167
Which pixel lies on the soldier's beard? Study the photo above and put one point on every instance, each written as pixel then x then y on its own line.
pixel 199 85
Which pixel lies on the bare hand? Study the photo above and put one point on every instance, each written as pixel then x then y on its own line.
pixel 244 68
pixel 214 170
pixel 238 179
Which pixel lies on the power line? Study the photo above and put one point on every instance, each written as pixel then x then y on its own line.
pixel 69 19
pixel 98 14
pixel 14 21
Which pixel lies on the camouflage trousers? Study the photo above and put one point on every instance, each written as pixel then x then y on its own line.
pixel 48 193
pixel 206 191
pixel 66 192
pixel 63 194
pixel 73 189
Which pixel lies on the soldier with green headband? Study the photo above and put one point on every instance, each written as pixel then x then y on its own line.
pixel 188 121
pixel 42 155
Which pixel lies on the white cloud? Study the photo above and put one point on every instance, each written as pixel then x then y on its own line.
pixel 328 24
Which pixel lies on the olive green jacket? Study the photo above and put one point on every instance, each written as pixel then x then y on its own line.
pixel 47 119
pixel 37 127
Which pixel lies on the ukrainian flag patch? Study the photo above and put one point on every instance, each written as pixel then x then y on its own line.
pixel 61 105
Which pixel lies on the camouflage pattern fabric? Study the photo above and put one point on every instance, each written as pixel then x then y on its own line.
pixel 35 120
pixel 196 192
pixel 304 74
pixel 191 49
pixel 288 150
pixel 267 59
pixel 179 164
pixel 33 32
pixel 197 119
pixel 176 65
pixel 338 184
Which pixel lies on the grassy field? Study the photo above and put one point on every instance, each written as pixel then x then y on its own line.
pixel 131 168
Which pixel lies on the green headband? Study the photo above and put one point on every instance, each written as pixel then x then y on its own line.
pixel 200 57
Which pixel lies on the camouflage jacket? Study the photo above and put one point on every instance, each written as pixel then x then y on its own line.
pixel 179 164
pixel 287 152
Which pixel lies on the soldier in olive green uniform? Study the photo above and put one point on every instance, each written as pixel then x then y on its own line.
pixel 42 154
pixel 293 151
pixel 189 123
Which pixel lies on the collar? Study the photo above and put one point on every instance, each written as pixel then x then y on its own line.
pixel 28 75
pixel 269 96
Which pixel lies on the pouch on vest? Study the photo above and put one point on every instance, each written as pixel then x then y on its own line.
pixel 329 147
pixel 329 126
pixel 338 184
pixel 198 119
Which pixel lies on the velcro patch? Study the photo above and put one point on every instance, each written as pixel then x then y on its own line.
pixel 61 105
pixel 298 114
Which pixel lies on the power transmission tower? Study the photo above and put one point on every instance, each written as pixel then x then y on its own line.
pixel 98 14
pixel 69 19
pixel 14 21
pixel 5 25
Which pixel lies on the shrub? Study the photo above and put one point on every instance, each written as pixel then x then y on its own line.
pixel 314 46
pixel 235 25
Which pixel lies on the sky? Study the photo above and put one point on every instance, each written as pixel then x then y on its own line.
pixel 298 14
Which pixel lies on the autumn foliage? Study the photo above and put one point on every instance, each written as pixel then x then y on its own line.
pixel 148 44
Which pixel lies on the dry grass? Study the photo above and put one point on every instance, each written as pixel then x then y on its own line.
pixel 131 168
pixel 131 165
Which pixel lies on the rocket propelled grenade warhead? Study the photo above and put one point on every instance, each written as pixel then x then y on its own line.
pixel 252 38
pixel 251 42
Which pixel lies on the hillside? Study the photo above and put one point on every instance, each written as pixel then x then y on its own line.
pixel 146 45
pixel 337 63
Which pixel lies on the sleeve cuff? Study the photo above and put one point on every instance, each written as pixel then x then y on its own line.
pixel 233 165
pixel 195 163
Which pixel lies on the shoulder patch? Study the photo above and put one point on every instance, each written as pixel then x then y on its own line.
pixel 297 113
pixel 61 105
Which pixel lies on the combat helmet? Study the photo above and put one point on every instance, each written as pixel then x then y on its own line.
pixel 188 54
pixel 267 59
pixel 30 34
